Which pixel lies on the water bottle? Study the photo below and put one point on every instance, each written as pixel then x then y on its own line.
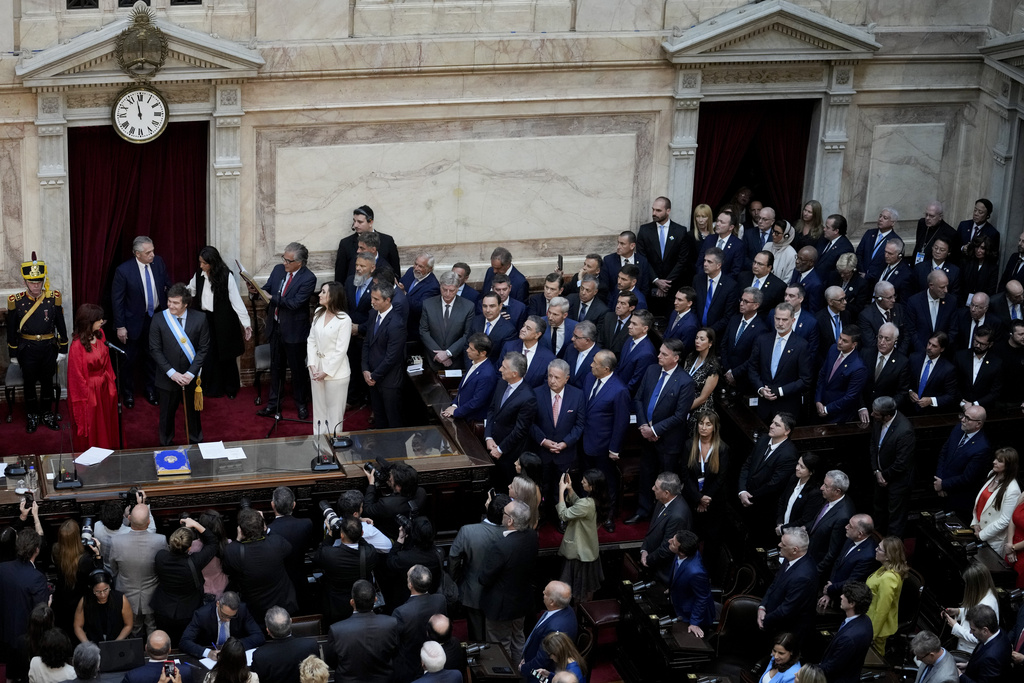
pixel 32 478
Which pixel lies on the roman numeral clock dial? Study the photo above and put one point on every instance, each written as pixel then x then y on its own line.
pixel 139 114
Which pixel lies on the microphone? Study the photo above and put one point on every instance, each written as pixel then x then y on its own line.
pixel 115 348
pixel 667 621
pixel 65 479
pixel 321 463
pixel 340 441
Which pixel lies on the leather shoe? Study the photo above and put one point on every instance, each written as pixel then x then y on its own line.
pixel 31 422
pixel 50 420
pixel 152 399
pixel 634 519
pixel 267 411
pixel 609 526
pixel 303 413
pixel 129 402
pixel 562 527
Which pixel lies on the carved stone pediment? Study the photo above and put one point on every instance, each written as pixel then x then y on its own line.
pixel 89 59
pixel 1006 54
pixel 769 32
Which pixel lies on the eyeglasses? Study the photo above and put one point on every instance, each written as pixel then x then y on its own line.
pixel 288 260
pixel 102 591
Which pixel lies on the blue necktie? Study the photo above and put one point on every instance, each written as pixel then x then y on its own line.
pixel 150 298
pixel 359 293
pixel 376 325
pixel 924 377
pixel 222 633
pixel 662 230
pixel 707 303
pixel 654 397
pixel 839 329
pixel 593 392
pixel 626 351
pixel 776 355
pixel 879 241
pixel 504 397
pixel 739 332
pixel 487 329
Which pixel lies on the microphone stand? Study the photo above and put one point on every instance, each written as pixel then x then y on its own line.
pixel 321 463
pixel 117 386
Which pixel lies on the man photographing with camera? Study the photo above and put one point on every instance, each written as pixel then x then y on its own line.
pixel 406 498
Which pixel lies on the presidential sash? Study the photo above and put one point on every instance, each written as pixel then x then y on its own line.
pixel 186 347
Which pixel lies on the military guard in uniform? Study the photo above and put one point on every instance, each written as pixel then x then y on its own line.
pixel 37 340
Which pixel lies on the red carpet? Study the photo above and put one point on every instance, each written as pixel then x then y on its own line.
pixel 548 536
pixel 224 419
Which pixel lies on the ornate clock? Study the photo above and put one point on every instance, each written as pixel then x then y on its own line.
pixel 139 114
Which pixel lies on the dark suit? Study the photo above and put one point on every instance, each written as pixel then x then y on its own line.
pixel 607 417
pixel 667 417
pixel 852 564
pixel 288 326
pixel 538 305
pixel 926 239
pixel 595 309
pixel 734 254
pixel 363 648
pixel 871 319
pixel 805 327
pixel 990 661
pixel 676 266
pixel 279 658
pixel 151 670
pixel 814 286
pixel 413 616
pixel 566 344
pixel 979 279
pixel 828 534
pixel 790 598
pixel 416 293
pixel 128 306
pixel 634 360
pixel 520 286
pixel 22 587
pixel 475 392
pixel 919 319
pixel 792 377
pixel 451 336
pixel 508 424
pixel 167 355
pixel 941 384
pixel 901 278
pixel 501 332
pixel 965 229
pixel 764 476
pixel 358 307
pixel 690 590
pixel 341 566
pixel 987 386
pixel 736 352
pixel 871 257
pixel 829 253
pixel 469 294
pixel 919 278
pixel 508 579
pixel 299 533
pixel 753 243
pixel 827 331
pixel 665 522
pixel 806 506
pixel 1014 270
pixel 962 469
pixel 512 310
pixel 723 301
pixel 572 357
pixel 641 299
pixel 344 262
pixel 894 380
pixel 894 459
pixel 571 416
pixel 773 289
pixel 202 631
pixel 1001 307
pixel 612 263
pixel 384 359
pixel 857 289
pixel 469 557
pixel 610 339
pixel 965 327
pixel 534 657
pixel 684 329
pixel 845 654
pixel 258 569
pixel 537 371
pixel 841 394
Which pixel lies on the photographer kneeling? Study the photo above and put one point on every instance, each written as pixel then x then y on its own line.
pixel 406 497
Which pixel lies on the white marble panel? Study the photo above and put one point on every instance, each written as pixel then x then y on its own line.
pixel 280 20
pixel 905 166
pixel 619 15
pixel 447 192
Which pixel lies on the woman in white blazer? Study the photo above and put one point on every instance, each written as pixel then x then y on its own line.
pixel 997 499
pixel 327 356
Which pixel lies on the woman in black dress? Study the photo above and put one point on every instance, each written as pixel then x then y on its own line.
pixel 215 288
pixel 981 270
pixel 104 613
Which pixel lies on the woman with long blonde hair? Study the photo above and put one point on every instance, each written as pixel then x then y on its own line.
pixel 810 227
pixel 886 584
pixel 703 222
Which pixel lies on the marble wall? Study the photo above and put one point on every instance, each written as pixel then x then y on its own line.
pixel 12 233
pixel 904 168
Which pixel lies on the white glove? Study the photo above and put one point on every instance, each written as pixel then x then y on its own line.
pixel 61 357
pixel 14 361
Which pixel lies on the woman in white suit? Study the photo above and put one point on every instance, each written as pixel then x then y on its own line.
pixel 997 500
pixel 327 356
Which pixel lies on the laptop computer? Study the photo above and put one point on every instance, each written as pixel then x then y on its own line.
pixel 121 655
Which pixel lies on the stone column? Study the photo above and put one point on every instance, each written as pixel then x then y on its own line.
pixel 683 165
pixel 831 154
pixel 54 246
pixel 225 214
pixel 1002 182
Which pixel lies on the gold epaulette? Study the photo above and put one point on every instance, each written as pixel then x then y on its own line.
pixel 12 301
pixel 56 296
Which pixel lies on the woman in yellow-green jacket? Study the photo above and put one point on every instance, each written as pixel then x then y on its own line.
pixel 582 570
pixel 886 584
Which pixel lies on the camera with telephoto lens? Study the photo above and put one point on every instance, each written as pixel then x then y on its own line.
pixel 331 519
pixel 131 497
pixel 87 538
pixel 381 470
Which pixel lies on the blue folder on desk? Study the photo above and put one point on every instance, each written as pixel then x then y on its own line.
pixel 172 462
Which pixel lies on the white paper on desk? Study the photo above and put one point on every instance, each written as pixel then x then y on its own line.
pixel 452 374
pixel 210 663
pixel 3 468
pixel 234 454
pixel 212 450
pixel 93 456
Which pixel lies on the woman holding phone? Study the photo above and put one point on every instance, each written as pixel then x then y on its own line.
pixel 582 570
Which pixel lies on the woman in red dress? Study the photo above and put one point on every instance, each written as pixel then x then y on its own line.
pixel 91 386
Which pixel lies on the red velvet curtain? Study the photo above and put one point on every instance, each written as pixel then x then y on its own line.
pixel 724 133
pixel 782 146
pixel 119 190
pixel 777 131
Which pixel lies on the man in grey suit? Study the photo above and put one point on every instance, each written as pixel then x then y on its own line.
pixel 445 324
pixel 132 559
pixel 468 557
pixel 937 665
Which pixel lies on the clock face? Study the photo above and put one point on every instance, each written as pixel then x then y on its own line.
pixel 140 115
